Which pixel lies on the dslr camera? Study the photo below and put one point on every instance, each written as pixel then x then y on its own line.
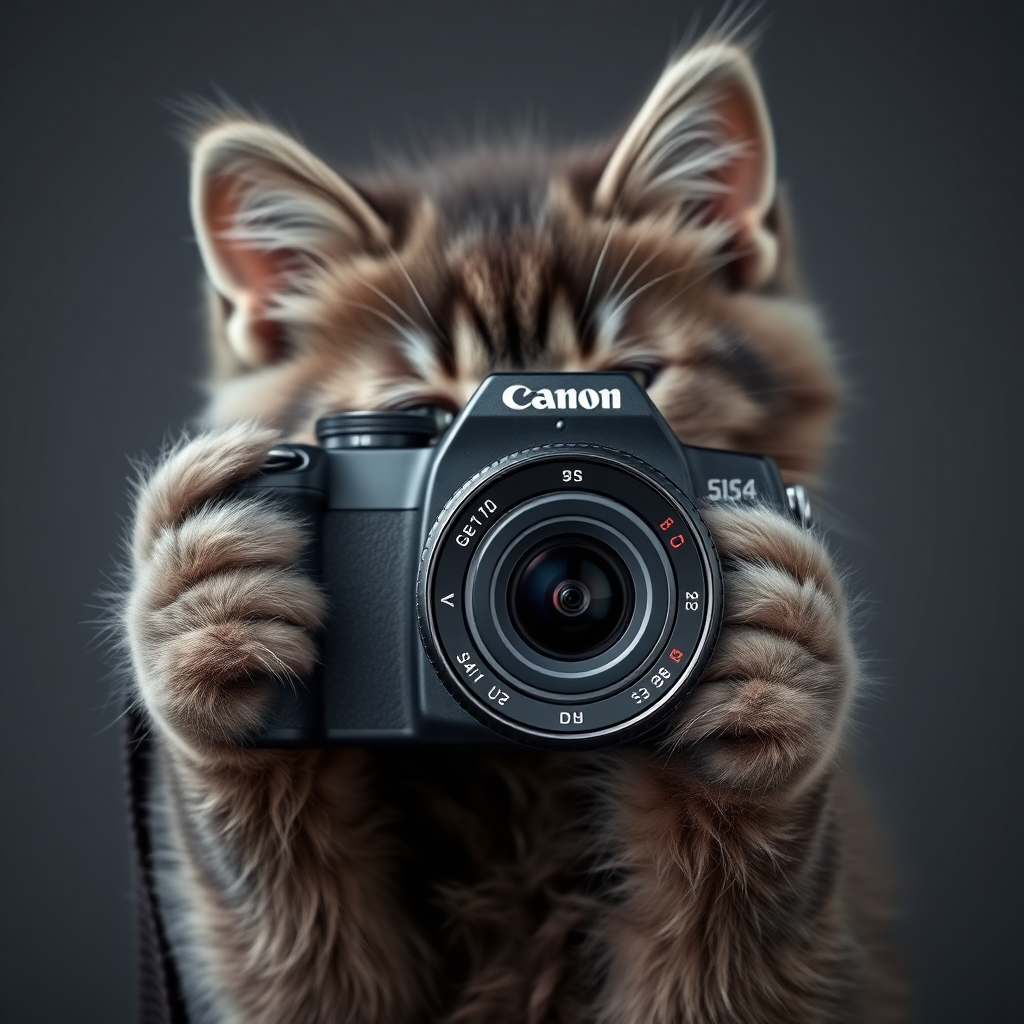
pixel 540 573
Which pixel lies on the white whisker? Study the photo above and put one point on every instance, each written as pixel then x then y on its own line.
pixel 416 291
pixel 391 302
pixel 625 262
pixel 639 270
pixel 597 268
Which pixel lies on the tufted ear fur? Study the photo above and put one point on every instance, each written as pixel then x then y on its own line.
pixel 266 212
pixel 702 147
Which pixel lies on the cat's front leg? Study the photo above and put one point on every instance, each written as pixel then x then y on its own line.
pixel 280 874
pixel 739 900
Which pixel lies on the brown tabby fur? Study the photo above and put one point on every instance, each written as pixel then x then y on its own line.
pixel 723 878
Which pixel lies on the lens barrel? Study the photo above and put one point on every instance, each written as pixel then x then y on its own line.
pixel 569 596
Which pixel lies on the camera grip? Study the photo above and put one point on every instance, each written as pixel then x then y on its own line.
pixel 369 560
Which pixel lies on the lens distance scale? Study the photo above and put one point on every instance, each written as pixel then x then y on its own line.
pixel 615 500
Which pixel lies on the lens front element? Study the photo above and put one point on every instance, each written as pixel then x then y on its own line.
pixel 570 599
pixel 569 596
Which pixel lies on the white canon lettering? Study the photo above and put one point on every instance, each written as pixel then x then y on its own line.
pixel 520 397
pixel 543 399
pixel 508 396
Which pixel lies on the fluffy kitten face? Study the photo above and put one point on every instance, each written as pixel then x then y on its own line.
pixel 666 254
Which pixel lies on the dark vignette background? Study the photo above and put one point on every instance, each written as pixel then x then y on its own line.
pixel 899 136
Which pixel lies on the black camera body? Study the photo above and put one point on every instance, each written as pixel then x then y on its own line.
pixel 540 575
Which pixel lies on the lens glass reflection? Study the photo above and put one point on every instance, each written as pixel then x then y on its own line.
pixel 570 598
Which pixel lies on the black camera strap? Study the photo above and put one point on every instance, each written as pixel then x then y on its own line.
pixel 160 1000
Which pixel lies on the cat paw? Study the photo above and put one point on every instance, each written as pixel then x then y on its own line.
pixel 217 615
pixel 770 709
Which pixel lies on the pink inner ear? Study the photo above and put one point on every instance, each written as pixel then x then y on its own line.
pixel 747 178
pixel 252 274
pixel 745 175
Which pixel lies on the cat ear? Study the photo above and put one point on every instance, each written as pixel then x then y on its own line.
pixel 266 212
pixel 702 145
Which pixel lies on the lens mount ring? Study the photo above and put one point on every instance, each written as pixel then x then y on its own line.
pixel 620 506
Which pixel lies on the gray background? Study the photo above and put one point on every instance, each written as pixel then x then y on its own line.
pixel 899 135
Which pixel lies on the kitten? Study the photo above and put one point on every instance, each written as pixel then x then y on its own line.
pixel 723 878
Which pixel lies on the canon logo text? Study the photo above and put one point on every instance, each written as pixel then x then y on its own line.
pixel 519 396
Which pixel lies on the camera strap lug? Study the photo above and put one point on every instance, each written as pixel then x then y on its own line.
pixel 800 505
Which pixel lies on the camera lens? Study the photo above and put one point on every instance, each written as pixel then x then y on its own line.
pixel 570 598
pixel 569 616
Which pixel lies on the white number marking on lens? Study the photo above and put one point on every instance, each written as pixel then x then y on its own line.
pixel 467 531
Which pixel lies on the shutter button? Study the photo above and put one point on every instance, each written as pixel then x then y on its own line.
pixel 284 460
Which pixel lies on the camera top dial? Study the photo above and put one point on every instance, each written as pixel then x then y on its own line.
pixel 568 596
